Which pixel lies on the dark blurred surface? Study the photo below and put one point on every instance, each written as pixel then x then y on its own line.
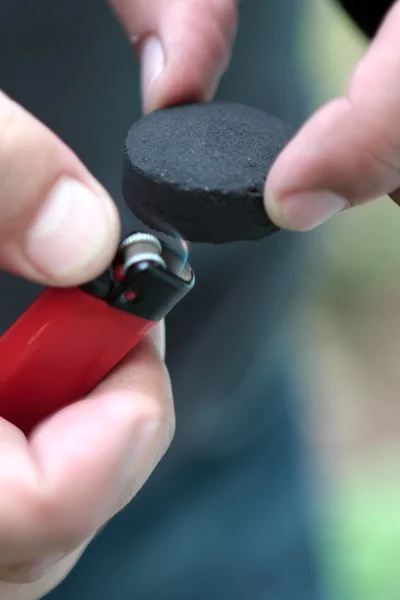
pixel 368 16
pixel 229 513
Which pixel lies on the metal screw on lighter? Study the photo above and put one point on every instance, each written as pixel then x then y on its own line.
pixel 141 247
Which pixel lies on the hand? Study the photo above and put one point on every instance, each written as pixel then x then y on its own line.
pixel 58 226
pixel 349 152
pixel 77 469
pixel 81 466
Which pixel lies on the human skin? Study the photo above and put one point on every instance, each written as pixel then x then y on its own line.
pixel 348 153
pixel 58 226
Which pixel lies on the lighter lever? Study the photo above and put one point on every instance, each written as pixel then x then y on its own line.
pixel 68 340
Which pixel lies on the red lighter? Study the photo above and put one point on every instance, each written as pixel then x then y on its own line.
pixel 68 340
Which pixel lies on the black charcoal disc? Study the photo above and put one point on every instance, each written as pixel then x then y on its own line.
pixel 200 169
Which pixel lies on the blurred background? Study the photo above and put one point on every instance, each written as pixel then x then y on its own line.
pixel 351 373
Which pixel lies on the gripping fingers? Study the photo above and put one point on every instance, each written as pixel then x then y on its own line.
pixel 58 226
pixel 83 465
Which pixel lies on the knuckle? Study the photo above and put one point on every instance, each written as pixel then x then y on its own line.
pixel 161 418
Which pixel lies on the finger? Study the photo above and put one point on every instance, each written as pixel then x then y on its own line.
pixel 86 462
pixel 43 574
pixel 57 224
pixel 349 152
pixel 185 46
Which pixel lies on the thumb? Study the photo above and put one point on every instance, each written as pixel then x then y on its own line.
pixel 57 224
pixel 349 152
pixel 185 46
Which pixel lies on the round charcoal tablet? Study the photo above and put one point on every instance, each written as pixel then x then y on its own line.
pixel 201 169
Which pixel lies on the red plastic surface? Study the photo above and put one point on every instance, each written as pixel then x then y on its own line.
pixel 59 350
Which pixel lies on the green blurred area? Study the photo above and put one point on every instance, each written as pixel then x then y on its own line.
pixel 362 246
pixel 359 266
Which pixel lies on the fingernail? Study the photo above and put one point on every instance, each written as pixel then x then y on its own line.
pixel 153 60
pixel 305 210
pixel 71 230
